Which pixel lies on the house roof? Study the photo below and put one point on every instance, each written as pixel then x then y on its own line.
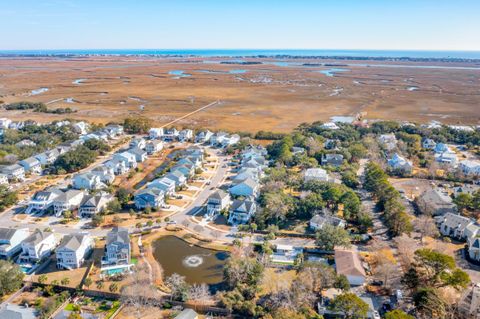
pixel 137 151
pixel 187 314
pixel 243 206
pixel 150 191
pixel 325 219
pixel 348 263
pixel 219 194
pixel 7 233
pixel 68 195
pixel 73 241
pixel 30 161
pixel 37 237
pixel 17 312
pixel 118 234
pixel 456 221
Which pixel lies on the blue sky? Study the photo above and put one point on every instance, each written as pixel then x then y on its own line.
pixel 302 24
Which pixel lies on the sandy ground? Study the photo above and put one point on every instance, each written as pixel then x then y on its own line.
pixel 267 96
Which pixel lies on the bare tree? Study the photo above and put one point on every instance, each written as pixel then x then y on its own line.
pixel 200 294
pixel 140 293
pixel 426 227
pixel 385 271
pixel 406 247
pixel 179 288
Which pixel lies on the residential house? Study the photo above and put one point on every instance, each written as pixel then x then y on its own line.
pixel 105 173
pixel 187 170
pixel 117 248
pixel 241 211
pixel 5 123
pixel 48 157
pixel 454 225
pixel 31 165
pixel 187 314
pixel 185 135
pixel 331 144
pixel 170 135
pixel 117 165
pixel 73 250
pixel 399 164
pixel 155 133
pixel 469 304
pixel 93 204
pixel 247 188
pixel 254 152
pixel 195 151
pixel 388 141
pixel 230 140
pixel 429 144
pixel 88 181
pixel 114 130
pixel 285 254
pixel 14 172
pixel 149 197
pixel 12 311
pixel 138 142
pixel 446 158
pixel 244 174
pixel 25 143
pixel 218 138
pixel 67 201
pixel 179 179
pixel 216 202
pixel 316 174
pixel 165 184
pixel 298 150
pixel 329 126
pixel 318 221
pixel 140 154
pixel 203 136
pixel 43 200
pixel 474 248
pixel 37 246
pixel 154 146
pixel 11 241
pixel 332 159
pixel 80 128
pixel 470 168
pixel 347 263
pixel 128 158
pixel 442 148
pixel 435 202
pixel 3 179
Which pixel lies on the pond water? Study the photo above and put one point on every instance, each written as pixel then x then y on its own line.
pixel 413 88
pixel 332 71
pixel 179 74
pixel 198 265
pixel 39 91
pixel 78 81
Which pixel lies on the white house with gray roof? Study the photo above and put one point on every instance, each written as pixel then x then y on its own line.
pixel 73 250
pixel 216 202
pixel 106 173
pixel 453 225
pixel 43 200
pixel 179 179
pixel 118 166
pixel 13 172
pixel 11 240
pixel 165 184
pixel 153 147
pixel 87 181
pixel 68 201
pixel 93 204
pixel 31 165
pixel 128 158
pixel 38 245
pixel 140 154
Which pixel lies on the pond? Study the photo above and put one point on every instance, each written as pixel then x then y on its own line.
pixel 332 71
pixel 197 264
pixel 179 74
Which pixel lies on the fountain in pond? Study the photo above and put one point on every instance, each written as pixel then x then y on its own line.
pixel 192 261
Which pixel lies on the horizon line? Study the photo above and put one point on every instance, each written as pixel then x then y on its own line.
pixel 263 49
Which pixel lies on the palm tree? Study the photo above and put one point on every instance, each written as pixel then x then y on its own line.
pixel 87 282
pixel 65 281
pixel 113 287
pixel 100 285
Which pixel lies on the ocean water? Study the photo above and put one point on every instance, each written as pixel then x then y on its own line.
pixel 253 52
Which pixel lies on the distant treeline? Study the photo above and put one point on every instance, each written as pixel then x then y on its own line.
pixel 38 107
